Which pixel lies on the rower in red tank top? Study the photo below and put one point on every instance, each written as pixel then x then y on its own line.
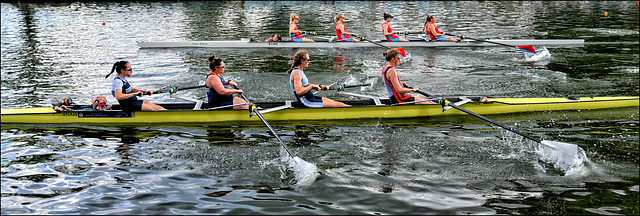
pixel 395 88
pixel 387 32
pixel 341 30
pixel 432 30
pixel 294 32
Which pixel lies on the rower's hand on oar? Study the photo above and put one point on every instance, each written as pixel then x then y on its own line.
pixel 324 87
pixel 144 92
pixel 233 84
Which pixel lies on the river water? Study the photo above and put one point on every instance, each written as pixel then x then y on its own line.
pixel 453 165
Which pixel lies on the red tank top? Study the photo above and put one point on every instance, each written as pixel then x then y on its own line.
pixel 433 37
pixel 341 37
pixel 391 36
pixel 297 34
pixel 390 90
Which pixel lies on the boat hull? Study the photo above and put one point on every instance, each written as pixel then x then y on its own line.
pixel 414 43
pixel 362 111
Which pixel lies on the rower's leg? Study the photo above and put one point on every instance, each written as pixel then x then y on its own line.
pixel 326 102
pixel 237 100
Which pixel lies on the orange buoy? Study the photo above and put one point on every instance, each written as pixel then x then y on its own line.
pixel 606 14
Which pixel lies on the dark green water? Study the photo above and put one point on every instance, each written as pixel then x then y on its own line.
pixel 457 165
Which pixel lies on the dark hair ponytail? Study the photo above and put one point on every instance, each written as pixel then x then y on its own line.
pixel 297 60
pixel 120 65
pixel 214 62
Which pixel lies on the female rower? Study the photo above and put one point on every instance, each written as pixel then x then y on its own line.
pixel 341 31
pixel 432 30
pixel 126 94
pixel 294 32
pixel 217 94
pixel 302 88
pixel 395 87
pixel 386 29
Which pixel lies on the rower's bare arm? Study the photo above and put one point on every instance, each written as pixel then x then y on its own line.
pixel 122 96
pixel 297 84
pixel 219 87
pixel 391 75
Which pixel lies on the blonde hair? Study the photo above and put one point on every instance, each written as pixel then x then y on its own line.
pixel 336 18
pixel 297 60
pixel 391 54
pixel 293 16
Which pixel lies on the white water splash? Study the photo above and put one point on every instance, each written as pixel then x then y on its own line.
pixel 569 158
pixel 540 55
pixel 304 172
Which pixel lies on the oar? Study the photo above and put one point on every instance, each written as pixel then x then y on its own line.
pixel 173 89
pixel 253 108
pixel 523 48
pixel 341 87
pixel 567 147
pixel 402 53
pixel 408 33
pixel 321 34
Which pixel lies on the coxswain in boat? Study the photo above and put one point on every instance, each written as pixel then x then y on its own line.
pixel 294 32
pixel 126 94
pixel 395 89
pixel 217 94
pixel 62 104
pixel 387 32
pixel 432 30
pixel 341 31
pixel 275 38
pixel 302 88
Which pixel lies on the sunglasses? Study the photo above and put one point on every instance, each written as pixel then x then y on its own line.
pixel 129 69
pixel 306 59
pixel 221 66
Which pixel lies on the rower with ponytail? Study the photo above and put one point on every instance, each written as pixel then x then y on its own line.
pixel 217 94
pixel 301 87
pixel 126 94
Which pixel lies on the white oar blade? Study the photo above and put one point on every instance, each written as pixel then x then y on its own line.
pixel 567 157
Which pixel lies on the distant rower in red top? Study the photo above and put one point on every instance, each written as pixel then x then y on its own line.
pixel 341 31
pixel 432 30
pixel 386 29
pixel 294 32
